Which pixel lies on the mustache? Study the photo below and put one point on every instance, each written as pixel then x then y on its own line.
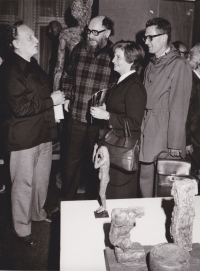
pixel 91 39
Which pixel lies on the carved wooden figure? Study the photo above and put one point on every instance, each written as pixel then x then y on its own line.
pixel 69 37
pixel 102 161
pixel 183 212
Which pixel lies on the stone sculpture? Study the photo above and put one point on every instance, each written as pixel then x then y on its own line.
pixel 102 161
pixel 81 10
pixel 126 252
pixel 169 257
pixel 183 212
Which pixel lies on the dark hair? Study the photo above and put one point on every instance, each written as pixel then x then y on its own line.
pixel 177 44
pixel 11 34
pixel 109 24
pixel 57 25
pixel 162 25
pixel 133 52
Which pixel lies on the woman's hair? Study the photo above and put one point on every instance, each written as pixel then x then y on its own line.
pixel 133 52
pixel 194 57
pixel 11 34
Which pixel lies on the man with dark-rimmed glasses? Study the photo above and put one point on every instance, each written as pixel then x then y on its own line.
pixel 89 71
pixel 168 82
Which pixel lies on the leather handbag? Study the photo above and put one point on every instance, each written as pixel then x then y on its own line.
pixel 123 151
pixel 168 169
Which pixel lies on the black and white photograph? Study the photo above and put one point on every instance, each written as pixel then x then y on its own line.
pixel 100 135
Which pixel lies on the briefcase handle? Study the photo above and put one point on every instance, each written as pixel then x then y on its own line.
pixel 168 154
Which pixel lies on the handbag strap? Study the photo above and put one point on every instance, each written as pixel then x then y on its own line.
pixel 126 128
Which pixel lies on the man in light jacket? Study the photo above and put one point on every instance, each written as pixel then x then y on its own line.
pixel 168 82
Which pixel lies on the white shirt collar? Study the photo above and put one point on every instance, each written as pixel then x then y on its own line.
pixel 165 52
pixel 122 77
pixel 198 75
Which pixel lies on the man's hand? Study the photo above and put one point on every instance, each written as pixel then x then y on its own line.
pixel 66 105
pixel 58 97
pixel 189 149
pixel 174 152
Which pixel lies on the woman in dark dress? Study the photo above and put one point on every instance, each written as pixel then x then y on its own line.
pixel 126 100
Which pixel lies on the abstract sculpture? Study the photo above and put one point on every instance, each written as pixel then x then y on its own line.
pixel 69 37
pixel 126 252
pixel 169 257
pixel 102 161
pixel 183 212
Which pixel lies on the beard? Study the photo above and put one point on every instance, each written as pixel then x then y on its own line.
pixel 95 47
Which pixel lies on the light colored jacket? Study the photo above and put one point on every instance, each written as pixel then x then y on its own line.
pixel 168 82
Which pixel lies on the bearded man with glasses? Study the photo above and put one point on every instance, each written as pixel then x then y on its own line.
pixel 89 71
pixel 168 82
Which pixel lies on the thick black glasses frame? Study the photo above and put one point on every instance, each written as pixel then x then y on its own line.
pixel 150 37
pixel 94 32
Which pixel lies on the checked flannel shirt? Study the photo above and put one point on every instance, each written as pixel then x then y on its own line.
pixel 87 73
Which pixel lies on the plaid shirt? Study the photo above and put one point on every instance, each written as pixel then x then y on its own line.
pixel 87 73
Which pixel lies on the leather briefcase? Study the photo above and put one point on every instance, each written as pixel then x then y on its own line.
pixel 169 169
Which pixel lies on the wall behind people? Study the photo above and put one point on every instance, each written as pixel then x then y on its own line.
pixel 130 17
pixel 196 24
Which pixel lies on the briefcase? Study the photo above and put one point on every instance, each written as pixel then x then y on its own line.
pixel 168 169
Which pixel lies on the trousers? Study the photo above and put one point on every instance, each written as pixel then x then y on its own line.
pixel 147 177
pixel 30 172
pixel 80 140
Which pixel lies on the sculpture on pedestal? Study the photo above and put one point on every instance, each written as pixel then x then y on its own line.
pixel 101 160
pixel 69 37
pixel 183 212
pixel 127 252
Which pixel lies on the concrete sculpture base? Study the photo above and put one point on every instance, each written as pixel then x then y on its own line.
pixel 113 265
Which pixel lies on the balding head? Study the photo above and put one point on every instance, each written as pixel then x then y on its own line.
pixel 103 21
pixel 97 20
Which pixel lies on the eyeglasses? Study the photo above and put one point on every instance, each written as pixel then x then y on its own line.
pixel 94 32
pixel 150 37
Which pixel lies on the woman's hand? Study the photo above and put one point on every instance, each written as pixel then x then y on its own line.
pixel 99 113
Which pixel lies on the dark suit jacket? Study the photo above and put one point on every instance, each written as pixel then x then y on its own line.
pixel 127 100
pixel 27 108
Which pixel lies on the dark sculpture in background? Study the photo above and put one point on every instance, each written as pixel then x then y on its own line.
pixel 101 160
pixel 81 10
pixel 127 252
pixel 183 212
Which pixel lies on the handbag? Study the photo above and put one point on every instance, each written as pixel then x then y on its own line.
pixel 167 171
pixel 123 151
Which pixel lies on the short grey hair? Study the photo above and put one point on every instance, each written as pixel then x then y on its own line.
pixel 194 57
